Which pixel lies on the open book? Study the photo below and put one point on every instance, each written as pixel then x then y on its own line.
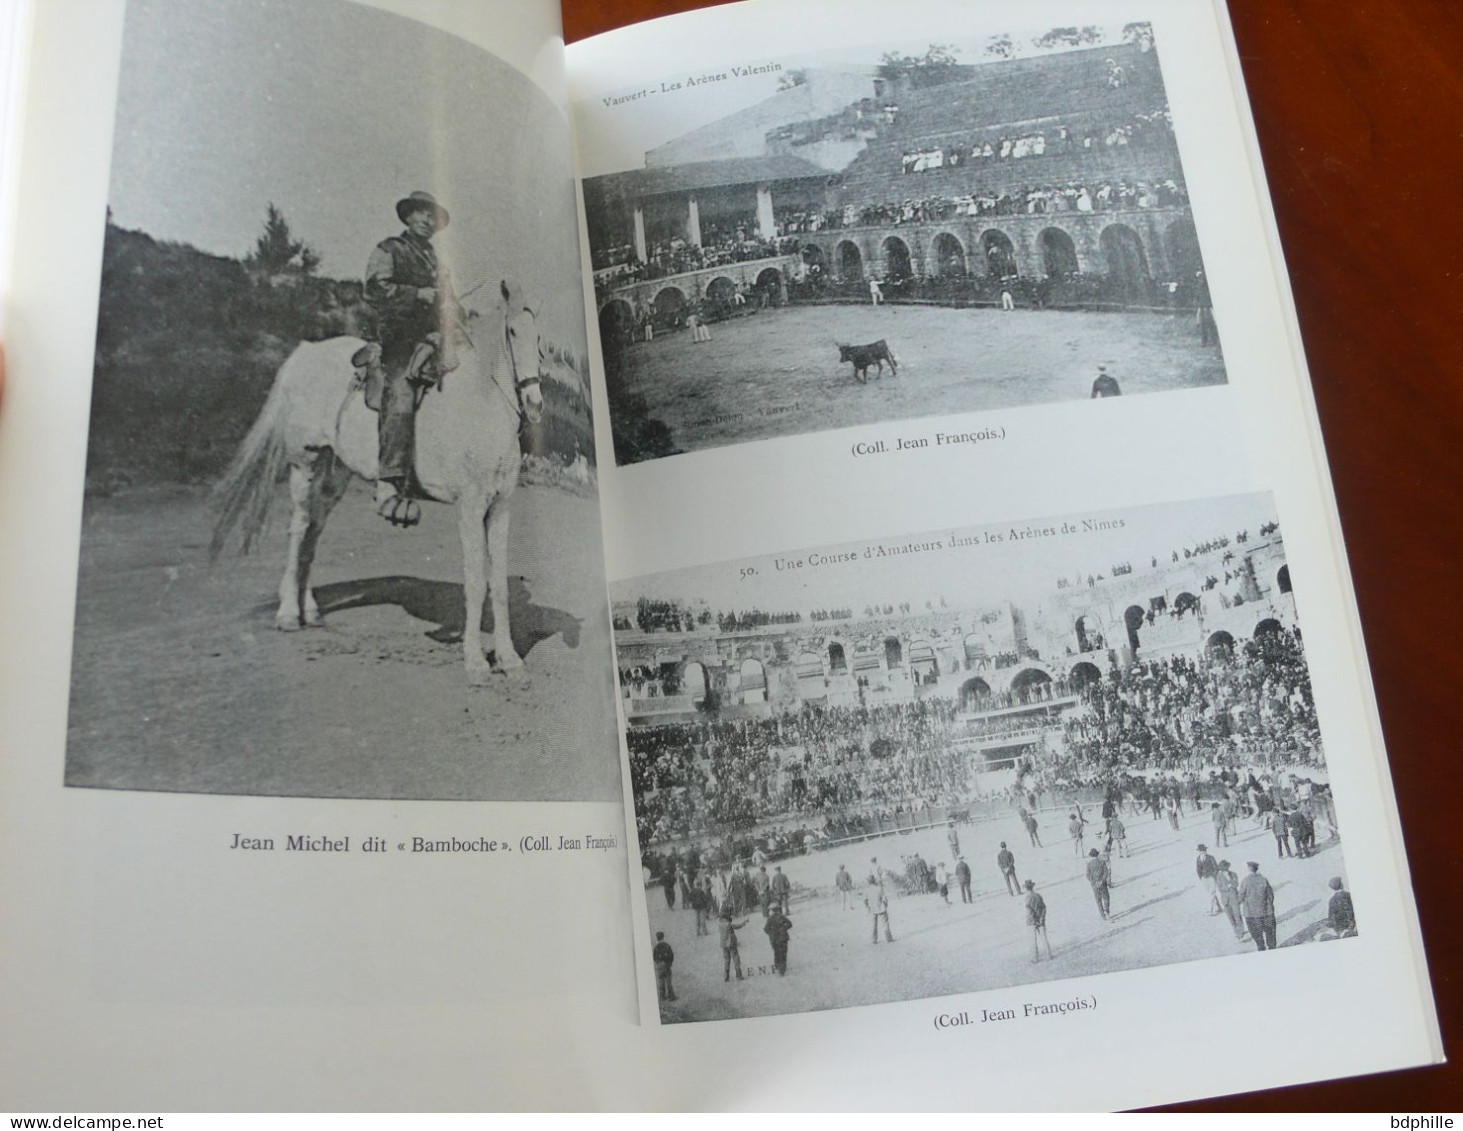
pixel 786 556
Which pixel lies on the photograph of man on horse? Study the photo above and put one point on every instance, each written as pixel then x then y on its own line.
pixel 417 315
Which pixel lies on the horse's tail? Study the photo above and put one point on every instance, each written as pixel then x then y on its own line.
pixel 242 496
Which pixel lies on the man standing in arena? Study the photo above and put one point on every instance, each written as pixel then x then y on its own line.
pixel 1099 877
pixel 844 883
pixel 962 877
pixel 1206 870
pixel 1036 920
pixel 663 957
pixel 1257 902
pixel 1006 862
pixel 778 927
pixel 1227 885
pixel 730 954
pixel 781 888
pixel 878 904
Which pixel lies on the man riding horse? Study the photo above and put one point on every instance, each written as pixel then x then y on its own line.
pixel 417 315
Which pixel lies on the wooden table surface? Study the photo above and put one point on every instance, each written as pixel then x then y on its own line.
pixel 1359 108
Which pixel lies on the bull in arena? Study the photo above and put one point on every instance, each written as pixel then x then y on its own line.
pixel 875 353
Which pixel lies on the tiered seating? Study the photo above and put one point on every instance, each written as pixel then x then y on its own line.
pixel 1012 99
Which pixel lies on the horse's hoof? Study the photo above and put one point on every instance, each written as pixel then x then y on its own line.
pixel 288 624
pixel 479 676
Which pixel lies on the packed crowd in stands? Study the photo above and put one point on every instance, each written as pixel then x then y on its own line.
pixel 616 266
pixel 870 767
pixel 1064 141
pixel 1245 703
pixel 691 776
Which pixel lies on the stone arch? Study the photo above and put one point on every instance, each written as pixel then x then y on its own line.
pixel 948 255
pixel 1282 579
pixel 1088 630
pixel 893 653
pixel 1133 621
pixel 753 680
pixel 973 693
pixel 1058 253
pixel 850 261
pixel 769 278
pixel 1028 679
pixel 837 657
pixel 694 681
pixel 721 290
pixel 897 264
pixel 923 662
pixel 1083 674
pixel 1182 244
pixel 999 253
pixel 1184 602
pixel 1267 627
pixel 616 324
pixel 669 300
pixel 813 256
pixel 1219 643
pixel 1127 263
pixel 975 651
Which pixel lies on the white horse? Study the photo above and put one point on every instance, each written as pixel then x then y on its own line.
pixel 316 422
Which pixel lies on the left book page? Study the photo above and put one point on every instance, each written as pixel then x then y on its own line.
pixel 295 263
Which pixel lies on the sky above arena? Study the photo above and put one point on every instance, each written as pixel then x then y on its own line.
pixel 967 576
pixel 333 112
pixel 613 139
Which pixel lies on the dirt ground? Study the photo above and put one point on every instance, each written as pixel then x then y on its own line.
pixel 1159 915
pixel 776 373
pixel 180 682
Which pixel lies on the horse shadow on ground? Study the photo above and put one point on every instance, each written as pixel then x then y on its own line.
pixel 442 603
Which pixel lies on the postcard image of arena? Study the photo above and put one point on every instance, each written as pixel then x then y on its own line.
pixel 894 232
pixel 972 759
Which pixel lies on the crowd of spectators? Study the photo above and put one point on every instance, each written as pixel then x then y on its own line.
pixel 1251 702
pixel 615 266
pixel 1064 141
pixel 688 777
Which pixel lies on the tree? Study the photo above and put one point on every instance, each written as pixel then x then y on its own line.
pixel 1001 46
pixel 277 252
pixel 934 68
pixel 1137 33
pixel 1071 36
pixel 789 79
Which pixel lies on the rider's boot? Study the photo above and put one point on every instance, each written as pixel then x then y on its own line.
pixel 394 505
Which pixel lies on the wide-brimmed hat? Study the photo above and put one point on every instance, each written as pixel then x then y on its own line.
pixel 418 201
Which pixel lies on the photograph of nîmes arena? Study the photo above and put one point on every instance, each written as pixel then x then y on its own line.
pixel 1007 218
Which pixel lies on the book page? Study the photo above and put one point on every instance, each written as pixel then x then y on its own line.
pixel 335 822
pixel 994 698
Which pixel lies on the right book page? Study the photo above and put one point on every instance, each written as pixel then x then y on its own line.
pixel 986 649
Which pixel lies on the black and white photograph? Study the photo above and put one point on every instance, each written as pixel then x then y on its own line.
pixel 902 231
pixel 977 759
pixel 341 534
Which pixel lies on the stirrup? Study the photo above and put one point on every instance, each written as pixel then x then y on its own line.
pixel 400 511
